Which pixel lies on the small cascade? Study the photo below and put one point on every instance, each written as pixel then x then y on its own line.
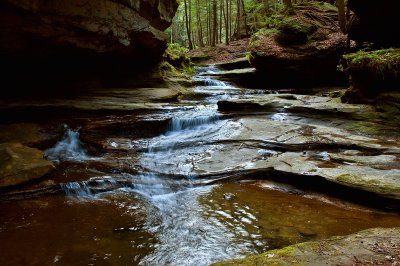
pixel 94 185
pixel 208 81
pixel 178 123
pixel 207 70
pixel 145 184
pixel 76 189
pixel 68 149
pixel 204 77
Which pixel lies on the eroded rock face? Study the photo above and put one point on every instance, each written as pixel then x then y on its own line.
pixel 106 27
pixel 63 38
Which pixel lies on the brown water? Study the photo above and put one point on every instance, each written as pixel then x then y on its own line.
pixel 150 208
pixel 198 226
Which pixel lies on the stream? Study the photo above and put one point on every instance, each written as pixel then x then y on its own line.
pixel 187 193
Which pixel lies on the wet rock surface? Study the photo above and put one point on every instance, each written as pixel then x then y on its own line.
pixel 328 149
pixel 19 164
pixel 223 170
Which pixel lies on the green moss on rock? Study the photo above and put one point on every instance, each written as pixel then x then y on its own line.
pixel 372 74
pixel 176 56
pixel 354 249
pixel 380 62
pixel 302 49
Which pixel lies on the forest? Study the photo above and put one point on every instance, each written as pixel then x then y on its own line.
pixel 200 23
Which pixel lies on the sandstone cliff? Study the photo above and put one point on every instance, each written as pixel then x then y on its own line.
pixel 46 39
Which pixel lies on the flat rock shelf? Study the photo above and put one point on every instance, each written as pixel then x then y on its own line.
pixel 194 176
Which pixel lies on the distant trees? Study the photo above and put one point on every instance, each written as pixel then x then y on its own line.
pixel 200 23
pixel 209 22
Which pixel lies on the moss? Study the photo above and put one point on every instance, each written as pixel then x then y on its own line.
pixel 373 185
pixel 389 102
pixel 324 6
pixel 300 28
pixel 175 52
pixel 176 60
pixel 351 179
pixel 248 57
pixel 381 62
pixel 291 255
pixel 364 127
pixel 295 31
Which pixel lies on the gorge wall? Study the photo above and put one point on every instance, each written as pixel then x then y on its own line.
pixel 67 37
pixel 375 21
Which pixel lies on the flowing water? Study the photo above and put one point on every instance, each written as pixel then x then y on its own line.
pixel 166 211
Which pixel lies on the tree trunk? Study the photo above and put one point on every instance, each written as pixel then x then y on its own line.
pixel 288 6
pixel 215 26
pixel 230 19
pixel 199 25
pixel 226 13
pixel 221 8
pixel 187 23
pixel 245 18
pixel 342 14
pixel 238 20
pixel 209 37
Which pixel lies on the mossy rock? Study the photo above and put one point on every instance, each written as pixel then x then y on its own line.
pixel 381 63
pixel 176 55
pixel 373 74
pixel 355 249
pixel 291 31
pixel 301 50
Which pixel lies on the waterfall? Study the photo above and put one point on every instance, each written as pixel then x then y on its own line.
pixel 76 189
pixel 178 123
pixel 208 81
pixel 68 149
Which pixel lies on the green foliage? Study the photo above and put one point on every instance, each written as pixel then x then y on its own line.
pixel 293 30
pixel 381 62
pixel 260 13
pixel 324 5
pixel 176 60
pixel 176 52
pixel 386 56
pixel 311 22
pixel 189 69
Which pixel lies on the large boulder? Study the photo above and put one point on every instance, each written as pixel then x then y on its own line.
pixel 19 164
pixel 303 49
pixel 374 78
pixel 42 39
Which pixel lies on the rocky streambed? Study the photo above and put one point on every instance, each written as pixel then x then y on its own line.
pixel 161 176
